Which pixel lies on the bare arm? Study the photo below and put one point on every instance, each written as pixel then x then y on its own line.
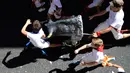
pixel 23 30
pixel 106 30
pixel 98 14
pixel 114 65
pixel 102 31
pixel 81 48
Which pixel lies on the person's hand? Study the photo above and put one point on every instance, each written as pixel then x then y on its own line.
pixel 76 51
pixel 57 14
pixel 94 34
pixel 28 21
pixel 91 17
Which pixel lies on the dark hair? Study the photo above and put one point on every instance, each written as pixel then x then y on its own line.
pixel 117 3
pixel 36 26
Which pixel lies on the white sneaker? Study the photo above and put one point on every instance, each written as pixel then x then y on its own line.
pixel 50 62
pixel 61 57
pixel 112 72
pixel 121 70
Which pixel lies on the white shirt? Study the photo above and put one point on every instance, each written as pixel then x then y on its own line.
pixel 36 39
pixel 55 3
pixel 97 55
pixel 115 18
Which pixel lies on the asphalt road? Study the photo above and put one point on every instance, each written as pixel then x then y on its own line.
pixel 32 61
pixel 14 14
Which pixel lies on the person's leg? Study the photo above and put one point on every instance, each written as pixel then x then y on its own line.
pixel 88 60
pixel 47 45
pixel 118 35
pixel 113 65
pixel 120 68
pixel 117 66
pixel 126 35
pixel 89 63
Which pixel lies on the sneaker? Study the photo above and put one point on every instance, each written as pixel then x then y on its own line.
pixel 50 62
pixel 112 72
pixel 61 57
pixel 121 70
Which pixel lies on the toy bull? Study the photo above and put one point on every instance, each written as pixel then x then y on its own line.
pixel 72 27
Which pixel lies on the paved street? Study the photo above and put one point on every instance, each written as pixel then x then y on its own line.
pixel 25 62
pixel 14 59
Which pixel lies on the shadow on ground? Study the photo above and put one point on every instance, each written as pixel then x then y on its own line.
pixel 29 55
pixel 72 70
pixel 25 57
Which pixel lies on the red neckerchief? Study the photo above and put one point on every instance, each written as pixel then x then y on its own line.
pixel 100 48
